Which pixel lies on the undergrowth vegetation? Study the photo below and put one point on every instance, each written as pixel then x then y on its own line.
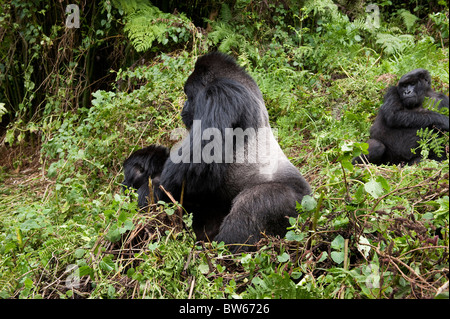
pixel 68 231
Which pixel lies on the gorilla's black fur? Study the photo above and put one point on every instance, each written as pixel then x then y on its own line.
pixel 142 164
pixel 233 199
pixel 394 132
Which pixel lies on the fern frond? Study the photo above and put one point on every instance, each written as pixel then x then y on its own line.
pixel 142 31
pixel 321 7
pixel 225 13
pixel 431 141
pixel 409 19
pixel 227 38
pixel 145 24
pixel 221 32
pixel 394 44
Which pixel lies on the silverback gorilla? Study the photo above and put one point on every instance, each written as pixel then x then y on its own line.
pixel 237 182
pixel 394 132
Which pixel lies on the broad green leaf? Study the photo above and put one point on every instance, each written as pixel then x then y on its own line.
pixel 79 253
pixel 383 182
pixel 203 268
pixel 338 243
pixel 284 257
pixel 113 234
pixel 337 256
pixel 107 264
pixel 374 188
pixel 308 203
pixel 347 164
pixel 292 235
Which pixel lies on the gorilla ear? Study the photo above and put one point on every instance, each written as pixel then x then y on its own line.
pixel 426 76
pixel 224 104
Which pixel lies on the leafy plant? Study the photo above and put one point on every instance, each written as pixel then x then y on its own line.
pixel 392 44
pixel 145 23
pixel 338 254
pixel 409 19
pixel 431 141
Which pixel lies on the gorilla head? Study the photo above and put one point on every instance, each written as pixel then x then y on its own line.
pixel 413 87
pixel 394 132
pixel 142 164
pixel 237 182
pixel 221 94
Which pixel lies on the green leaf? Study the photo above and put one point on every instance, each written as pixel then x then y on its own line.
pixel 374 188
pixel 308 203
pixel 113 234
pixel 107 264
pixel 111 291
pixel 340 222
pixel 130 272
pixel 246 259
pixel 28 282
pixel 338 243
pixel 443 295
pixel 359 194
pixel 347 164
pixel 29 224
pixel 128 225
pixel 3 110
pixel 169 211
pixel 383 182
pixel 123 216
pixel 347 147
pixel 337 256
pixel 203 268
pixel 293 236
pixel 79 253
pixel 153 246
pixel 85 270
pixel 52 170
pixel 284 257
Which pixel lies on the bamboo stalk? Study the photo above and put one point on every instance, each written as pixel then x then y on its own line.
pixel 346 254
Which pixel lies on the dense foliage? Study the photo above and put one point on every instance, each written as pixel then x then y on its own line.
pixel 75 102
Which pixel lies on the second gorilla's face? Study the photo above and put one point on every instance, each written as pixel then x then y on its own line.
pixel 413 87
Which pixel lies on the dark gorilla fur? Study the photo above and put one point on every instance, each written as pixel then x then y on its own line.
pixel 394 132
pixel 142 164
pixel 232 201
